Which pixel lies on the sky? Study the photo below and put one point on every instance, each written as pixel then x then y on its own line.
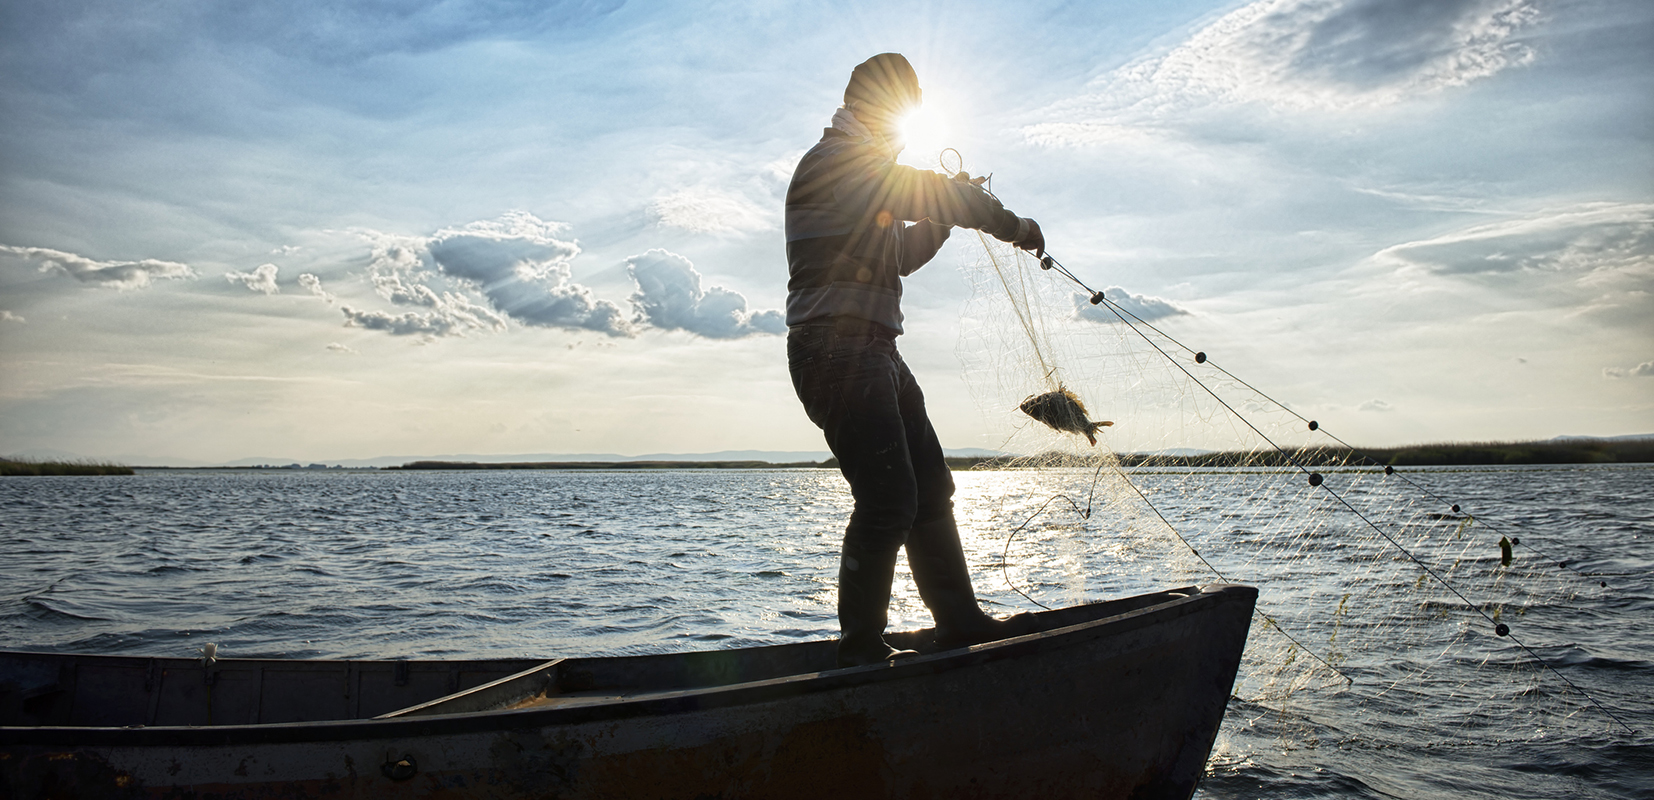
pixel 320 231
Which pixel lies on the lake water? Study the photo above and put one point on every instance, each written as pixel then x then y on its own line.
pixel 368 564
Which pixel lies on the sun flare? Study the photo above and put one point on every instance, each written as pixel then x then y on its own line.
pixel 927 133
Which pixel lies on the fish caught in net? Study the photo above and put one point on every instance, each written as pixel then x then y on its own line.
pixel 1379 597
pixel 1062 411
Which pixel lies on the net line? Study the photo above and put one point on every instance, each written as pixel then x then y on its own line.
pixel 1010 277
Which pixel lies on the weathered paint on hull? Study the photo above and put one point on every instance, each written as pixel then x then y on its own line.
pixel 1125 707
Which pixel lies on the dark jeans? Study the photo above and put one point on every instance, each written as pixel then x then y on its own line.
pixel 857 389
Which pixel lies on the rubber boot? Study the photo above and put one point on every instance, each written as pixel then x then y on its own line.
pixel 944 579
pixel 864 578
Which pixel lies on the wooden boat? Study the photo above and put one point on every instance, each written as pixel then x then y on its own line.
pixel 1118 699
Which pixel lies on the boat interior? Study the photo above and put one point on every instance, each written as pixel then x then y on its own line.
pixel 58 690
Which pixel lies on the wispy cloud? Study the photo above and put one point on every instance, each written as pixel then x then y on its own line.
pixel 261 279
pixel 1605 240
pixel 446 320
pixel 451 315
pixel 1595 260
pixel 302 30
pixel 669 296
pixel 1142 306
pixel 122 275
pixel 1298 55
pixel 1376 405
pixel 329 32
pixel 706 210
pixel 7 316
pixel 1643 370
pixel 341 348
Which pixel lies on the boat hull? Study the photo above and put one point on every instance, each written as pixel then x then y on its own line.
pixel 1110 705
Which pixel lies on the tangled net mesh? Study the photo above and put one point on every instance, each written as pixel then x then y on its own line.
pixel 1376 594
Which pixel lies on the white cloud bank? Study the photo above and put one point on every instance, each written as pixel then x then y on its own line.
pixel 479 276
pixel 669 296
pixel 262 279
pixel 476 277
pixel 523 270
pixel 122 275
pixel 1297 55
pixel 516 264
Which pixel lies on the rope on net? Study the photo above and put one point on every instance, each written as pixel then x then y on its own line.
pixel 1315 479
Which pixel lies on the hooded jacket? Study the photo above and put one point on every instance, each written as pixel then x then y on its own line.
pixel 857 222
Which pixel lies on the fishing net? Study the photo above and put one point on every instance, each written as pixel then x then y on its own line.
pixel 1380 596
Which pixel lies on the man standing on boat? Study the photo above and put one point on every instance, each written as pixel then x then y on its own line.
pixel 857 222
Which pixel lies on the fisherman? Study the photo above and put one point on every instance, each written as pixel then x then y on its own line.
pixel 857 223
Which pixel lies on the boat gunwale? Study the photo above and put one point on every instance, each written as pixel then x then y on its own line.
pixel 1180 602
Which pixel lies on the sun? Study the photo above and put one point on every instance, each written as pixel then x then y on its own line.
pixel 927 132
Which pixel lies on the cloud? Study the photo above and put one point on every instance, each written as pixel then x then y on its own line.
pixel 406 324
pixel 1643 370
pixel 1141 306
pixel 522 268
pixel 341 33
pixel 340 348
pixel 1297 55
pixel 393 288
pixel 7 316
pixel 1600 239
pixel 409 323
pixel 453 315
pixel 261 279
pixel 669 296
pixel 313 284
pixel 84 39
pixel 393 254
pixel 516 263
pixel 395 267
pixel 1376 405
pixel 1597 260
pixel 122 275
pixel 703 210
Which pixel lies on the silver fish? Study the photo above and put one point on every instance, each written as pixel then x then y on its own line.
pixel 1062 411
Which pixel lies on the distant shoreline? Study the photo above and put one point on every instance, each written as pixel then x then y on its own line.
pixel 23 466
pixel 610 465
pixel 1549 452
pixel 1581 451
